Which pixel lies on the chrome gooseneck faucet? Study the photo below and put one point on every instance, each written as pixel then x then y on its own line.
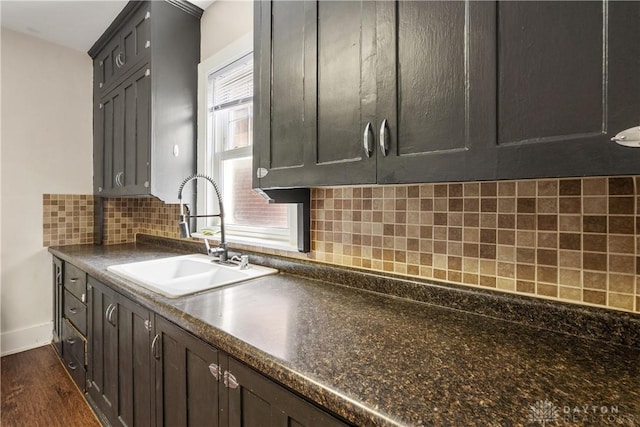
pixel 221 250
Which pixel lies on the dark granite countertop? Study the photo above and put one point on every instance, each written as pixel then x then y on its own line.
pixel 380 360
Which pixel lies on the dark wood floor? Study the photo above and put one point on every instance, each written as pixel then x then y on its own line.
pixel 36 391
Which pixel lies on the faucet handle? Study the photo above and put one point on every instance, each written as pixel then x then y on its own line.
pixel 244 262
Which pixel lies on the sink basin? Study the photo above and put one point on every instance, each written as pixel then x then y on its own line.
pixel 186 274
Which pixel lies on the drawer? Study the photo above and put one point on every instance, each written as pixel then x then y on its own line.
pixel 73 343
pixel 76 312
pixel 76 370
pixel 75 281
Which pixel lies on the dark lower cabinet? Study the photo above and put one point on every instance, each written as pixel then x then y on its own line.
pixel 142 370
pixel 186 378
pixel 254 401
pixel 120 373
pixel 58 291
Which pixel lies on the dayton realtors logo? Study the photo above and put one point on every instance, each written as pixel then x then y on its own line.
pixel 543 412
pixel 546 412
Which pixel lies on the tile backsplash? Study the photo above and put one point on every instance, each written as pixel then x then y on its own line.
pixel 575 239
pixel 67 219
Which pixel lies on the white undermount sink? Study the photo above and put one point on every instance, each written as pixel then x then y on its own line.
pixel 186 274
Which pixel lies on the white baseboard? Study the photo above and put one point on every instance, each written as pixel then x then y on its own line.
pixel 25 339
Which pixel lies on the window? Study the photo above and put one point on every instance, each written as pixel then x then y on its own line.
pixel 226 150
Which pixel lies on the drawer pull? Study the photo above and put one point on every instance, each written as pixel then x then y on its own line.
pixel 73 310
pixel 73 279
pixel 71 366
pixel 71 341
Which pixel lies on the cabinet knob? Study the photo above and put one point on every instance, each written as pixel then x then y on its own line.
pixel 368 139
pixel 384 138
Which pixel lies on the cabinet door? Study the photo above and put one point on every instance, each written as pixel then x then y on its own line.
pixel 102 337
pixel 122 138
pixel 58 290
pixel 135 40
pixel 315 92
pixel 255 400
pixel 186 378
pixel 120 371
pixel 434 80
pixel 567 81
pixel 135 370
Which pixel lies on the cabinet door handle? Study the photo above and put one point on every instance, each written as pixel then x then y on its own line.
pixel 215 371
pixel 230 380
pixel 73 310
pixel 384 138
pixel 154 347
pixel 58 275
pixel 120 59
pixel 119 181
pixel 109 314
pixel 71 366
pixel 114 309
pixel 368 139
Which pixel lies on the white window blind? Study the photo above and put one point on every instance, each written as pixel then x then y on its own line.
pixel 233 85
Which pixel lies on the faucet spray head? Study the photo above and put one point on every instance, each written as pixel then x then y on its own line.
pixel 184 227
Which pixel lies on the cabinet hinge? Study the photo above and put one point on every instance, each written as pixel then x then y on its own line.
pixel 147 73
pixel 147 45
pixel 100 106
pixel 147 15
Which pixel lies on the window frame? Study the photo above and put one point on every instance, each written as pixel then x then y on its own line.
pixel 256 236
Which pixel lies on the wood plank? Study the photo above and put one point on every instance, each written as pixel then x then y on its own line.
pixel 37 391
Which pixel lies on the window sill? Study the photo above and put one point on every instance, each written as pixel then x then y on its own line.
pixel 252 241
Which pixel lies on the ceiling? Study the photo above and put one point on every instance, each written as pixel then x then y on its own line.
pixel 76 24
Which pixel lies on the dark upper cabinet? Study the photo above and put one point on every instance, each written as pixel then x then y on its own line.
pixel 145 100
pixel 433 84
pixel 129 48
pixel 567 80
pixel 463 90
pixel 122 143
pixel 120 373
pixel 314 92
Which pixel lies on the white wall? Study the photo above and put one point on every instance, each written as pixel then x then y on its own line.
pixel 46 147
pixel 224 22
